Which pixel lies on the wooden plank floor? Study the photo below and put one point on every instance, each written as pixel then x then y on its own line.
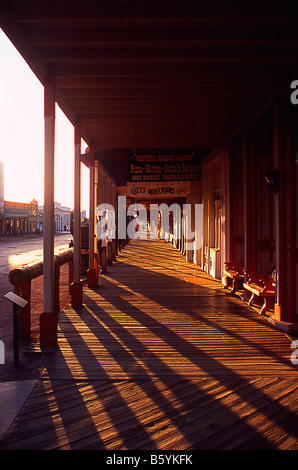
pixel 160 357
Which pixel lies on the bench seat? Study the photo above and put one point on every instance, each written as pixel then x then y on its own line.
pixel 263 287
pixel 235 272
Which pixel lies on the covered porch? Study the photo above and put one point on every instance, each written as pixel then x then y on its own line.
pixel 214 81
pixel 213 85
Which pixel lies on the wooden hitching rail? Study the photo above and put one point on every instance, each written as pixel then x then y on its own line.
pixel 21 278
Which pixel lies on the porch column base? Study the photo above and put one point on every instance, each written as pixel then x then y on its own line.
pixel 76 293
pixel 48 328
pixel 286 327
pixel 92 280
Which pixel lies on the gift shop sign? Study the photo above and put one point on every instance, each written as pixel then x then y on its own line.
pixel 158 190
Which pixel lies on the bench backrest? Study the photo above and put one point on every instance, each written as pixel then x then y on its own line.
pixel 271 270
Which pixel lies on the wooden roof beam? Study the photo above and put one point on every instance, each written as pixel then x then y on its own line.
pixel 164 142
pixel 247 36
pixel 179 70
pixel 207 54
pixel 157 132
pixel 213 101
pixel 270 11
pixel 102 119
pixel 18 37
pixel 249 92
pixel 129 111
pixel 207 82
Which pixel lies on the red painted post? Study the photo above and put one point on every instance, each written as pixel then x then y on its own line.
pixel 48 319
pixel 109 252
pixel 250 179
pixel 76 289
pixel 22 287
pixel 21 279
pixel 103 257
pixel 285 213
pixel 24 314
pixel 57 287
pixel 92 273
pixel 114 250
pixel 70 275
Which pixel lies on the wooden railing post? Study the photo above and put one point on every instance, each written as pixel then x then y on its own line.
pixel 110 261
pixel 92 274
pixel 21 278
pixel 24 314
pixel 57 287
pixel 103 258
pixel 77 286
pixel 114 250
pixel 70 274
pixel 60 259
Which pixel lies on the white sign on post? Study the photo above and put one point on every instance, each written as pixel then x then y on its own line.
pixel 16 299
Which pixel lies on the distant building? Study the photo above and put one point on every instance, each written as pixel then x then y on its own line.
pixel 18 218
pixel 1 196
pixel 1 182
pixel 61 214
pixel 62 217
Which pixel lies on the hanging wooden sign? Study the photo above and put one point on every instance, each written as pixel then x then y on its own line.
pixel 158 190
pixel 159 167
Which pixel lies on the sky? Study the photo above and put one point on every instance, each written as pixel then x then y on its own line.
pixel 22 136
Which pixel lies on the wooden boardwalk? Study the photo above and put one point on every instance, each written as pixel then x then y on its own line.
pixel 160 357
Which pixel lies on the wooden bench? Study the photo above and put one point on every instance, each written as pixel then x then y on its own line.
pixel 262 286
pixel 233 273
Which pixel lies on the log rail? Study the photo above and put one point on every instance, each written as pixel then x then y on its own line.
pixel 21 278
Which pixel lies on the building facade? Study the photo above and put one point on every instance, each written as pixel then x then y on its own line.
pixel 18 219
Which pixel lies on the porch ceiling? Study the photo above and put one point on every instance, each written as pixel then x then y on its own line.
pixel 148 74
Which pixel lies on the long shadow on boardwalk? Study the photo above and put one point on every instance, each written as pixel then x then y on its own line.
pixel 199 358
pixel 151 362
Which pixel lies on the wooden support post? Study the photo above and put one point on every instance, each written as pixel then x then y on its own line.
pixel 103 257
pixel 109 251
pixel 114 248
pixel 76 289
pixel 24 314
pixel 57 287
pixel 48 319
pixel 250 180
pixel 285 213
pixel 70 275
pixel 117 244
pixel 96 241
pixel 92 274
